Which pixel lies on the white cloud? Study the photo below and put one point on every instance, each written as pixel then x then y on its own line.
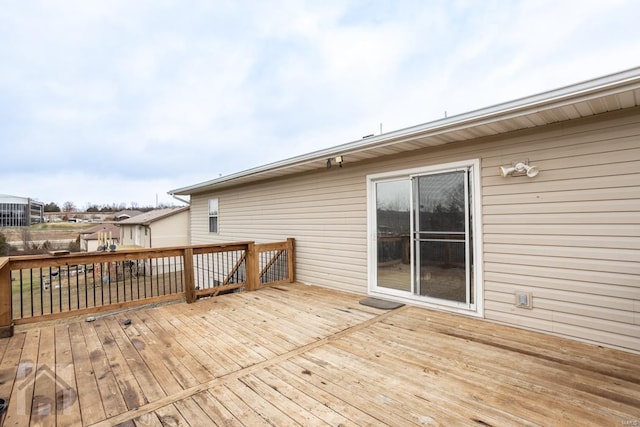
pixel 147 96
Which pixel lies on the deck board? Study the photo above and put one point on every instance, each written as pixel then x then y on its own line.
pixel 147 420
pixel 148 384
pixel 21 398
pixel 67 404
pixel 109 392
pixel 43 411
pixel 166 351
pixel 193 328
pixel 304 355
pixel 187 368
pixel 216 411
pixel 125 378
pixel 88 392
pixel 176 331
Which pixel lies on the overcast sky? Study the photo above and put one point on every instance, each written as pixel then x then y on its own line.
pixel 121 101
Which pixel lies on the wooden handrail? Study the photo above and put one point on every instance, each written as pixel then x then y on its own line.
pixel 55 286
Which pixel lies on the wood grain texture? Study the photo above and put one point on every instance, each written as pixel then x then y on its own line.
pixel 304 355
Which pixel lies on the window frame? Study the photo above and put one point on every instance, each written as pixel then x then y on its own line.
pixel 214 215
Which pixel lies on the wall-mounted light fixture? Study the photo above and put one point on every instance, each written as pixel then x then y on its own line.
pixel 519 169
pixel 337 160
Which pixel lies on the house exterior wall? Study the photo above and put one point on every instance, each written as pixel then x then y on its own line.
pixel 91 245
pixel 171 231
pixel 128 235
pixel 570 236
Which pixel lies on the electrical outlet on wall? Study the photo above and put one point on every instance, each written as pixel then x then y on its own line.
pixel 524 300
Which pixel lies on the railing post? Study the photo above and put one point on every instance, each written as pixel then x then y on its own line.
pixel 253 267
pixel 189 277
pixel 291 247
pixel 6 299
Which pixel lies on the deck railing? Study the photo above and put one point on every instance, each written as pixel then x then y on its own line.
pixel 44 287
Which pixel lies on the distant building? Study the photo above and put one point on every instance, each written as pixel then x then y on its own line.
pixel 122 215
pixel 156 228
pixel 90 238
pixel 20 211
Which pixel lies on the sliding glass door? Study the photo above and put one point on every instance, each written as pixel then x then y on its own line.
pixel 424 234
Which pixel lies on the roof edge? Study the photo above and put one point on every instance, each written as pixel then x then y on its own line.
pixel 518 106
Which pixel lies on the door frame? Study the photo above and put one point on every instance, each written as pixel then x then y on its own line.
pixel 402 296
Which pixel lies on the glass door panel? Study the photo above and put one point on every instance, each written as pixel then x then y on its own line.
pixel 442 236
pixel 393 226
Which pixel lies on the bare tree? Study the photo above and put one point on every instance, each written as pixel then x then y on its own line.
pixel 26 238
pixel 69 207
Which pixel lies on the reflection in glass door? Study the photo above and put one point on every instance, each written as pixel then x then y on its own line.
pixel 442 236
pixel 393 226
pixel 422 239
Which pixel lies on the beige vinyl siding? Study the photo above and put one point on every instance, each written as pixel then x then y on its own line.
pixel 170 231
pixel 327 218
pixel 570 236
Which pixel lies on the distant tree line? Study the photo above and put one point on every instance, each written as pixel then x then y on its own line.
pixel 69 206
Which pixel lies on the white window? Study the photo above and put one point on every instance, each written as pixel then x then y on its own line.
pixel 213 215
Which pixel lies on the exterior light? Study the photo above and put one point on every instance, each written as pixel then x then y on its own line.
pixel 519 169
pixel 338 160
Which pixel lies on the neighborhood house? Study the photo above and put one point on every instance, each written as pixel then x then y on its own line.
pixel 524 213
pixel 156 228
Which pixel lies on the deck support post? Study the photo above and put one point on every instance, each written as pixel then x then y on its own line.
pixel 253 267
pixel 291 248
pixel 189 278
pixel 6 299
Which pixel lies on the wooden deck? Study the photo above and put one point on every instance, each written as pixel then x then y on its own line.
pixel 304 355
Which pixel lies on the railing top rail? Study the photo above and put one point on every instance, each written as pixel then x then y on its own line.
pixel 29 261
pixel 273 246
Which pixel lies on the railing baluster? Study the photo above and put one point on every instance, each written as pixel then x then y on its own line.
pixel 56 289
pixel 68 285
pixel 156 276
pixel 93 283
pixel 31 289
pixel 197 272
pixel 41 293
pixel 167 262
pixel 129 269
pixel 164 287
pixel 144 278
pixel 21 293
pixel 50 292
pixel 109 282
pixel 182 270
pixel 138 272
pixel 175 274
pixel 114 267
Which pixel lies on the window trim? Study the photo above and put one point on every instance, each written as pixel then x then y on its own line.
pixel 216 215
